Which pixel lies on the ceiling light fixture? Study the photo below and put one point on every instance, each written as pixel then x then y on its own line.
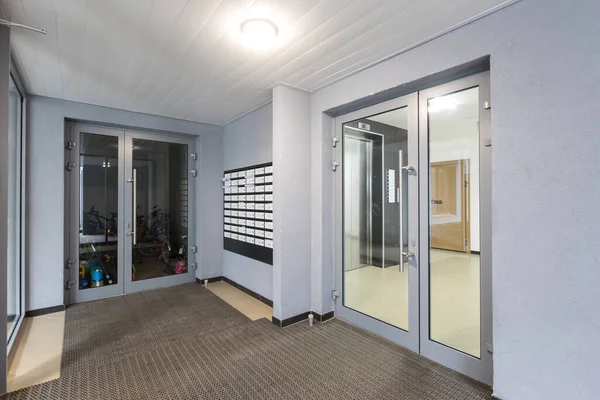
pixel 259 32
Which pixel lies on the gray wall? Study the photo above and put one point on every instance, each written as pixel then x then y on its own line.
pixel 291 202
pixel 249 141
pixel 546 128
pixel 45 194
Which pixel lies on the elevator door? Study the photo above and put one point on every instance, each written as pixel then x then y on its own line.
pixel 358 152
pixel 130 197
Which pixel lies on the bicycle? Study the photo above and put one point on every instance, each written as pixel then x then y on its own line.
pixel 154 240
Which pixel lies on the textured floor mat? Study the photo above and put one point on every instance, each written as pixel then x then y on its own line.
pixel 109 329
pixel 235 358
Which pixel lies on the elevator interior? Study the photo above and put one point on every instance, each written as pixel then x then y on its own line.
pixel 373 152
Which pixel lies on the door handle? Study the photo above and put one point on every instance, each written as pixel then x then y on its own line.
pixel 134 217
pixel 401 205
pixel 402 168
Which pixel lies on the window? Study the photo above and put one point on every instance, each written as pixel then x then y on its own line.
pixel 15 143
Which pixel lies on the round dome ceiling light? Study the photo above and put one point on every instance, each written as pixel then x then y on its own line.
pixel 259 31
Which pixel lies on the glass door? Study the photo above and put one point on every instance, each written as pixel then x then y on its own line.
pixel 131 195
pixel 413 223
pixel 160 176
pixel 96 172
pixel 377 200
pixel 456 306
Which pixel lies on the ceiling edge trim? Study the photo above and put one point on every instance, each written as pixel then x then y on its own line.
pixel 242 115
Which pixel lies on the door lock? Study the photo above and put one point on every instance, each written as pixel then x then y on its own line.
pixel 408 256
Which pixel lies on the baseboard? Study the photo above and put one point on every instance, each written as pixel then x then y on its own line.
pixel 291 320
pixel 236 285
pixel 475 252
pixel 11 318
pixel 324 317
pixel 210 280
pixel 249 292
pixel 44 311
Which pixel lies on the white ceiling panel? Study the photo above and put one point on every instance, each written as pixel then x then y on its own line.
pixel 186 58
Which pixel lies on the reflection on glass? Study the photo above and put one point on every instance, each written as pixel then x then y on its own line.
pixel 161 171
pixel 14 210
pixel 375 193
pixel 98 205
pixel 454 268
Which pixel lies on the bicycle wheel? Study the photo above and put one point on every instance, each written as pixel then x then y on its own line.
pixel 148 247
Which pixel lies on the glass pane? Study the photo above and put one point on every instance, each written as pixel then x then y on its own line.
pixel 375 199
pixel 161 209
pixel 98 206
pixel 14 209
pixel 454 220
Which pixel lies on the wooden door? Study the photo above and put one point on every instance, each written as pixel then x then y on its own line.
pixel 450 205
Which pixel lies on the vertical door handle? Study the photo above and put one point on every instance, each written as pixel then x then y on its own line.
pixel 401 205
pixel 134 217
pixel 401 169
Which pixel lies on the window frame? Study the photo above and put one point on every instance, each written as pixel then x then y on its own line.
pixel 21 196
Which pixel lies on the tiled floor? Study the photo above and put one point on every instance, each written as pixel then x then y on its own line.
pixel 383 294
pixel 244 303
pixel 37 352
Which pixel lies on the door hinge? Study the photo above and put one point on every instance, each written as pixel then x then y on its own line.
pixel 70 165
pixel 194 156
pixel 194 266
pixel 194 249
pixel 69 284
pixel 487 142
pixel 71 145
pixel 490 348
pixel 334 165
pixel 487 105
pixel 194 172
pixel 334 141
pixel 334 295
pixel 68 263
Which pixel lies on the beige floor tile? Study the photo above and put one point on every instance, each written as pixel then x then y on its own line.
pixel 21 382
pixel 38 350
pixel 454 279
pixel 32 364
pixel 247 305
pixel 57 315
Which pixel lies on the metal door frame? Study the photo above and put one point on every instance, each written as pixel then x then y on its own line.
pixel 129 217
pixel 410 338
pixel 77 295
pixel 418 339
pixel 479 369
pixel 124 283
